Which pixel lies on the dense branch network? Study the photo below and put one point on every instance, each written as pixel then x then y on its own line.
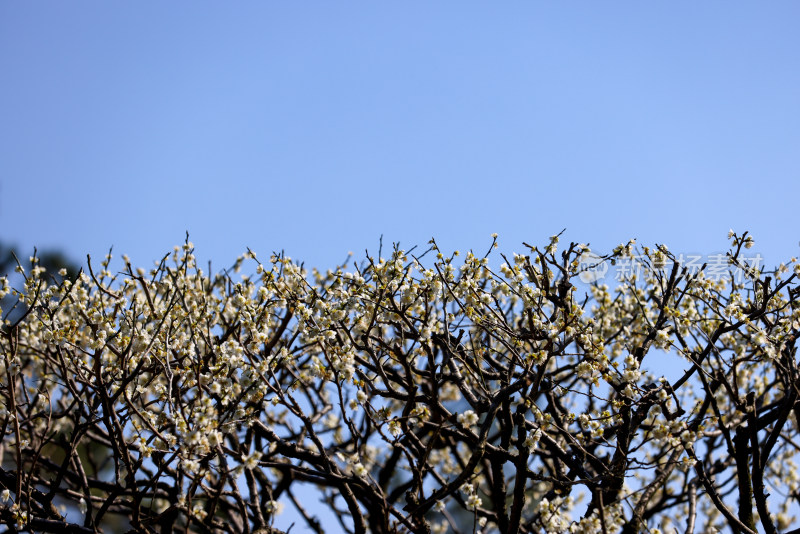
pixel 410 393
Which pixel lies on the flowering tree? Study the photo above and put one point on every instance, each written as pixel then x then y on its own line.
pixel 411 393
pixel 52 261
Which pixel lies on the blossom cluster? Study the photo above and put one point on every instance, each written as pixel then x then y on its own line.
pixel 412 392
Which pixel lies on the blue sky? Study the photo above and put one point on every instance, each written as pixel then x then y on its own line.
pixel 318 127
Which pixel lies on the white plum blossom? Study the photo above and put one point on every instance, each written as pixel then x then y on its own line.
pixel 406 388
pixel 468 418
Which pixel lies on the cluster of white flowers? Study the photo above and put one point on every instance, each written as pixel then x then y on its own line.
pixel 214 381
pixel 472 499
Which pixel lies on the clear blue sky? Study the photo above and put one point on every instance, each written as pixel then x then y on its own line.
pixel 317 127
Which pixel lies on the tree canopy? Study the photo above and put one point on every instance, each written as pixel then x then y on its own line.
pixel 416 392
